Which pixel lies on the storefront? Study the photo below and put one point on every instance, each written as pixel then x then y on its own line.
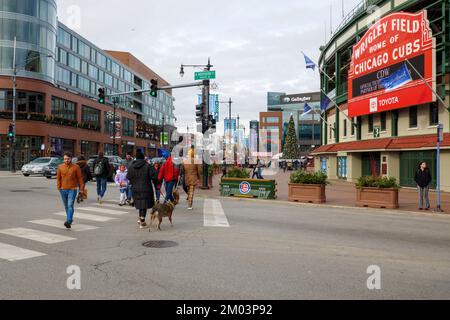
pixel 27 149
pixel 89 148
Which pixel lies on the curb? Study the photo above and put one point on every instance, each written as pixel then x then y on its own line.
pixel 313 205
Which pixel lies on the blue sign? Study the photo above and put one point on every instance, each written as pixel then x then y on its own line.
pixel 214 109
pixel 245 188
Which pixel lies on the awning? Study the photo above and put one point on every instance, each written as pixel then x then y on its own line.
pixel 386 144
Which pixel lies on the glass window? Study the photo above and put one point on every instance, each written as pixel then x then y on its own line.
pixel 413 117
pixel 62 75
pixel 84 50
pixel 370 119
pixel 306 132
pixel 101 60
pixel 63 37
pixel 345 127
pixel 84 84
pixel 128 127
pixel 108 79
pixel 29 102
pixel 62 58
pixel 383 121
pixel 74 62
pixel 434 114
pixel 84 67
pixel 63 109
pixel 90 115
pixel 272 120
pixel 93 72
pixel 74 44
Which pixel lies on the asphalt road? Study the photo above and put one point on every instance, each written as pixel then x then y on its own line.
pixel 269 251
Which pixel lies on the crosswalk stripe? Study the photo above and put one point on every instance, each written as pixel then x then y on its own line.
pixel 115 206
pixel 102 210
pixel 59 224
pixel 85 216
pixel 12 253
pixel 213 214
pixel 36 235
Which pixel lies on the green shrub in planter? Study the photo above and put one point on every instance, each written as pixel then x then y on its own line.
pixel 239 173
pixel 302 177
pixel 377 182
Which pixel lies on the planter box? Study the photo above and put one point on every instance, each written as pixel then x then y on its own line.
pixel 248 188
pixel 377 198
pixel 308 193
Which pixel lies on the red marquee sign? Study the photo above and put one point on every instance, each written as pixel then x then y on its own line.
pixel 381 56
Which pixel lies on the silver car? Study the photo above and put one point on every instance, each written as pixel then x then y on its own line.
pixel 37 166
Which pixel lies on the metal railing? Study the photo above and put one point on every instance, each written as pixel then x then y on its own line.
pixel 361 7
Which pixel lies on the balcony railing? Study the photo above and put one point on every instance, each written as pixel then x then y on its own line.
pixel 361 7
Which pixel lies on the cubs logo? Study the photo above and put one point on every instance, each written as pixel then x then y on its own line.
pixel 245 187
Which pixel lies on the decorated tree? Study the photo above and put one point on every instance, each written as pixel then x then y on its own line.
pixel 291 149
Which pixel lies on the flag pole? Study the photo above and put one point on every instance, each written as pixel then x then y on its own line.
pixel 428 85
pixel 320 69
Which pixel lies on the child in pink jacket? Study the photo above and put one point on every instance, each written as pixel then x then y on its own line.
pixel 122 182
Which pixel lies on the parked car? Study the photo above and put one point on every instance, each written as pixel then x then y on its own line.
pixel 114 162
pixel 51 169
pixel 37 166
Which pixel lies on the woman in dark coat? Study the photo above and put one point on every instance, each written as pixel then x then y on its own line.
pixel 423 180
pixel 141 176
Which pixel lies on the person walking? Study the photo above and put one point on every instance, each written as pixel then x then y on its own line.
pixel 191 176
pixel 87 176
pixel 169 174
pixel 101 172
pixel 128 161
pixel 423 179
pixel 121 180
pixel 69 180
pixel 142 177
pixel 259 167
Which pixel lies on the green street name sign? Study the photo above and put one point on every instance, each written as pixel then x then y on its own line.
pixel 205 75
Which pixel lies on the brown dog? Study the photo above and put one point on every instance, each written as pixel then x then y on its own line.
pixel 161 210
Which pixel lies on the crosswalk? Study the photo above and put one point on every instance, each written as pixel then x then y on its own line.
pixel 98 214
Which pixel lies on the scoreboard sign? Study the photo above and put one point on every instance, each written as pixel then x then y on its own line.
pixel 379 58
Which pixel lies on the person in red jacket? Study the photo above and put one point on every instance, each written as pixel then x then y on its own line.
pixel 169 174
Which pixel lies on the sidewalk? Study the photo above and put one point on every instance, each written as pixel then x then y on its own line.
pixel 342 193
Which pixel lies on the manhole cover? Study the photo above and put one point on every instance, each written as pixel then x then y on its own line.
pixel 20 191
pixel 159 244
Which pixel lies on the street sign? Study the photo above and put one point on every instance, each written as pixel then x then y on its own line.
pixel 376 132
pixel 441 133
pixel 205 75
pixel 164 138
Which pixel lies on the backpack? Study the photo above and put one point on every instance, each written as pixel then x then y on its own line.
pixel 99 168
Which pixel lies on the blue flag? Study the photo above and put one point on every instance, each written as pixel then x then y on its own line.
pixel 324 103
pixel 309 63
pixel 307 110
pixel 396 79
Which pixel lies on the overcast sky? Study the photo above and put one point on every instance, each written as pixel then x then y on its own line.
pixel 254 45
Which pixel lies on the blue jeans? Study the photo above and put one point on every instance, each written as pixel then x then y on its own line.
pixel 169 191
pixel 129 193
pixel 68 198
pixel 101 186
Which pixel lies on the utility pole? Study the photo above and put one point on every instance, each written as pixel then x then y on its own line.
pixel 13 142
pixel 114 125
pixel 206 100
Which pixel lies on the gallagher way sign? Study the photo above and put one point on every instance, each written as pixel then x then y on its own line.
pixel 380 78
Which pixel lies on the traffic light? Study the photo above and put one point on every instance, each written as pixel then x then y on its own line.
pixel 213 123
pixel 101 96
pixel 11 132
pixel 199 112
pixel 154 88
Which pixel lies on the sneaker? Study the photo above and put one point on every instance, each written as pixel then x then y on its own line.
pixel 67 225
pixel 121 204
pixel 98 199
pixel 142 224
pixel 190 208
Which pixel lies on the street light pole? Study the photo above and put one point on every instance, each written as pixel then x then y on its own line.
pixel 114 125
pixel 13 142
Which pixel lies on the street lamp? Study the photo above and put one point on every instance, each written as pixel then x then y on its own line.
pixel 205 94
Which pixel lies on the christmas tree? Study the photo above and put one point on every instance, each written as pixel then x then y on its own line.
pixel 291 150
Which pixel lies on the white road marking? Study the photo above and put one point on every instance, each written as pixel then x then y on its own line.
pixel 12 253
pixel 115 206
pixel 213 214
pixel 36 235
pixel 59 224
pixel 85 216
pixel 101 210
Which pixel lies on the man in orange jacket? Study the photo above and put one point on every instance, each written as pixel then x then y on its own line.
pixel 69 179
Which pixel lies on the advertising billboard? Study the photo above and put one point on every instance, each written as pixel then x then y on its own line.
pixel 380 78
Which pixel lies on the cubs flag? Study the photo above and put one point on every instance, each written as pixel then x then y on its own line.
pixel 309 63
pixel 307 110
pixel 324 103
pixel 396 79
